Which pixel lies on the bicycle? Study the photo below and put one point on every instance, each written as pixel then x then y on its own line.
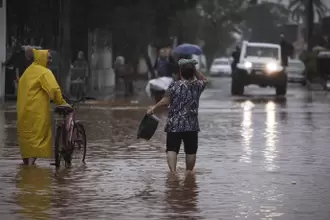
pixel 71 132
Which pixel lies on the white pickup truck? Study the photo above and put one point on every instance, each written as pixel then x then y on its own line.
pixel 259 64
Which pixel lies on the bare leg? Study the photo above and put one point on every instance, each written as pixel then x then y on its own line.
pixel 32 161
pixel 172 160
pixel 25 161
pixel 190 162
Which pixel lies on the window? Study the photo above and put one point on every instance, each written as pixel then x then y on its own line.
pixel 258 51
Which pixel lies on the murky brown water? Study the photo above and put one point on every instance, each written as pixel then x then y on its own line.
pixel 260 157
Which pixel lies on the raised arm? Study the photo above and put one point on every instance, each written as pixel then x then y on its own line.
pixel 202 81
pixel 50 85
pixel 200 76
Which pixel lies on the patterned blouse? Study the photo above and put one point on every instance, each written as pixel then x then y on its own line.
pixel 184 102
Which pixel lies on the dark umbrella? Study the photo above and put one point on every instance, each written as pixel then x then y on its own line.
pixel 188 49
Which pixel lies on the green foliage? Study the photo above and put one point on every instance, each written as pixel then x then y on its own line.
pixel 299 8
pixel 149 18
pixel 263 19
pixel 217 19
pixel 306 10
pixel 33 21
pixel 310 61
pixel 214 21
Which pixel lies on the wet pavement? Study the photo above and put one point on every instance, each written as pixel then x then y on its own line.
pixel 260 157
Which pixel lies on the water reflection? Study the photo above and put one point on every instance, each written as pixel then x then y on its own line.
pixel 270 152
pixel 283 110
pixel 34 192
pixel 181 198
pixel 2 131
pixel 247 131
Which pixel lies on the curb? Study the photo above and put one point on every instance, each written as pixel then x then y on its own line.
pixel 314 86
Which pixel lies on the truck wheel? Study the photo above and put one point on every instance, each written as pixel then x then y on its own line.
pixel 281 90
pixel 237 88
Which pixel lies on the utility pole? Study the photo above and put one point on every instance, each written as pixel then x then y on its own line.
pixel 3 43
pixel 309 10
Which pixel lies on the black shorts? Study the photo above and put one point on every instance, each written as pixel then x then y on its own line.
pixel 189 138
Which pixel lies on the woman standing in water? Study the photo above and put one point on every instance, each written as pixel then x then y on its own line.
pixel 182 123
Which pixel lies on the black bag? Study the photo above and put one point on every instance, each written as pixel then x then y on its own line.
pixel 148 127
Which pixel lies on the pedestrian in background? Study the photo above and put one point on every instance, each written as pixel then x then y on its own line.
pixel 124 72
pixel 163 65
pixel 287 50
pixel 79 71
pixel 18 62
pixel 236 56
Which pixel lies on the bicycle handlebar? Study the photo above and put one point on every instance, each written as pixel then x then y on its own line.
pixel 72 102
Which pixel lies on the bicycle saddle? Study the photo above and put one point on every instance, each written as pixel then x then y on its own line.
pixel 63 109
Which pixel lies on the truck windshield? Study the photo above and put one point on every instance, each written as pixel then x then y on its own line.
pixel 255 51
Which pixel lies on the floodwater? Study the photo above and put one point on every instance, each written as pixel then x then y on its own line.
pixel 260 157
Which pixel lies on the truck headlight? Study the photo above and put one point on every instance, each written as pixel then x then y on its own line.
pixel 273 67
pixel 247 65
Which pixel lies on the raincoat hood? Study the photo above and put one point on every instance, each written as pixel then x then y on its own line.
pixel 40 57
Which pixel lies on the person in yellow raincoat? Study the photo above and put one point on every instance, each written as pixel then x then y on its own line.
pixel 36 88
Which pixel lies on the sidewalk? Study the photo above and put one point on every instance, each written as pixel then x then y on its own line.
pixel 315 85
pixel 109 93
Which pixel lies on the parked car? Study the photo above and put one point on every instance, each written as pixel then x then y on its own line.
pixel 220 67
pixel 295 71
pixel 259 64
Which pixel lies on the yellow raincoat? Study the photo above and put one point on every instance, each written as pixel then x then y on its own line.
pixel 35 89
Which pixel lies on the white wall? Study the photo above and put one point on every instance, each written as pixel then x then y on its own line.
pixel 100 56
pixel 3 23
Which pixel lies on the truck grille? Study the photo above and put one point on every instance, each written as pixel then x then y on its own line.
pixel 258 66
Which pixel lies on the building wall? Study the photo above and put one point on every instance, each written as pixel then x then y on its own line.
pixel 100 57
pixel 3 22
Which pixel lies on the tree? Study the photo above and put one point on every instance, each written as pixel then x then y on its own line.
pixel 65 41
pixel 266 29
pixel 306 10
pixel 218 19
pixel 136 24
pixel 133 24
pixel 34 22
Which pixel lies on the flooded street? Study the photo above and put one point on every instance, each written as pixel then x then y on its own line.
pixel 260 157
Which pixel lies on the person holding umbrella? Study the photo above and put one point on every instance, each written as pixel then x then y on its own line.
pixel 157 87
pixel 184 51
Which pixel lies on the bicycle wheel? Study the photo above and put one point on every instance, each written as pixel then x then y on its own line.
pixel 58 141
pixel 80 143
